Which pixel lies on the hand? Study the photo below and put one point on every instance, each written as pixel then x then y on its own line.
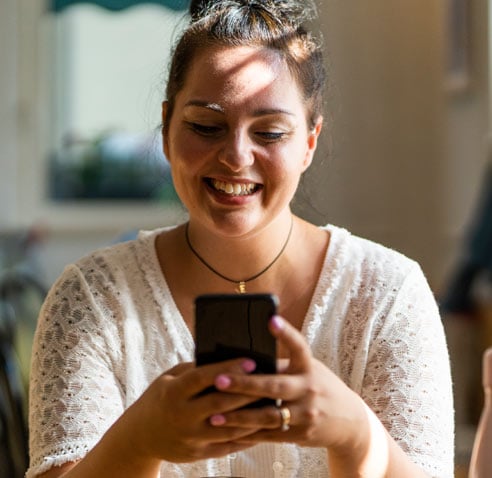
pixel 171 422
pixel 324 411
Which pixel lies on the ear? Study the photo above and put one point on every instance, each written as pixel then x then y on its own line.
pixel 165 144
pixel 312 142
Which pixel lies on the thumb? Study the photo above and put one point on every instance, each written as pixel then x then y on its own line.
pixel 298 350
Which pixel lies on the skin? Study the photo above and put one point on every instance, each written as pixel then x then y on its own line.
pixel 240 119
pixel 245 124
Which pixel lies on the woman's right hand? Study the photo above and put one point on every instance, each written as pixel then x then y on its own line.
pixel 170 421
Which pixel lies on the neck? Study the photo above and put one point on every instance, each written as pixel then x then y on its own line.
pixel 240 260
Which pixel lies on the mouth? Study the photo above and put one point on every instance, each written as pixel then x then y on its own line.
pixel 233 189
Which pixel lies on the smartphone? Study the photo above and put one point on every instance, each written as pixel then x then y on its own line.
pixel 236 325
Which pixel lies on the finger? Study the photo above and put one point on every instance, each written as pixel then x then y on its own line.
pixel 267 435
pixel 275 386
pixel 179 369
pixel 220 403
pixel 268 417
pixel 293 340
pixel 198 379
pixel 276 428
pixel 282 365
pixel 208 435
pixel 221 449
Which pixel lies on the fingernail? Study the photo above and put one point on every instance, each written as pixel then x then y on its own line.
pixel 248 365
pixel 217 420
pixel 222 381
pixel 277 322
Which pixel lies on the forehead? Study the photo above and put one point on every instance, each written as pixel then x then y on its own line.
pixel 240 73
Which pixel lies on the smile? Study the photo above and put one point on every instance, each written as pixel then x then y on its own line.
pixel 233 189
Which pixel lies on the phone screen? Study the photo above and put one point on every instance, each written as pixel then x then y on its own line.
pixel 233 326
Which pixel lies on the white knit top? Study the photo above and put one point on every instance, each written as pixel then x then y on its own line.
pixel 109 327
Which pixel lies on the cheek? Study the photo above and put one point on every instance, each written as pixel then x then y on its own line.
pixel 185 152
pixel 282 178
pixel 289 162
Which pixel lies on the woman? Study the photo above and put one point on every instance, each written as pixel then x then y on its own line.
pixel 364 373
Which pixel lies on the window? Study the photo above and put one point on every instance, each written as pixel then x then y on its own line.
pixel 105 92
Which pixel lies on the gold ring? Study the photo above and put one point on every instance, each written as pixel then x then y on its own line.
pixel 285 417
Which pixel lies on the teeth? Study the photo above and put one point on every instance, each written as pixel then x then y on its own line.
pixel 235 189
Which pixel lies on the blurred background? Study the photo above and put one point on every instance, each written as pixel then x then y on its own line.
pixel 403 159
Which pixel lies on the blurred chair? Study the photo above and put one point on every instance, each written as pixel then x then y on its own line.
pixel 466 307
pixel 474 267
pixel 13 426
pixel 21 295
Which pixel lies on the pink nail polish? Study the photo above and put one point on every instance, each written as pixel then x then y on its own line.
pixel 217 420
pixel 248 365
pixel 277 322
pixel 222 381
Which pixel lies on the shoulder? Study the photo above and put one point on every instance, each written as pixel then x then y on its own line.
pixel 119 258
pixel 109 270
pixel 369 275
pixel 356 255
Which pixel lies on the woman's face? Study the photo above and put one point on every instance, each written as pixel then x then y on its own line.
pixel 238 139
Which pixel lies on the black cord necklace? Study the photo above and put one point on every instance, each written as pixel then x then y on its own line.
pixel 241 284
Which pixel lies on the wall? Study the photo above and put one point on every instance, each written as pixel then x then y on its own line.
pixel 71 229
pixel 400 161
pixel 8 112
pixel 467 145
pixel 407 154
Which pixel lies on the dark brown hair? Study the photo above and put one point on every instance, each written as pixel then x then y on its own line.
pixel 277 25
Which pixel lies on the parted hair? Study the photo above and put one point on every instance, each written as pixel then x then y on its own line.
pixel 274 24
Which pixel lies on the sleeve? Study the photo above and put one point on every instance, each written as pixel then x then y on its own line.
pixel 75 395
pixel 408 380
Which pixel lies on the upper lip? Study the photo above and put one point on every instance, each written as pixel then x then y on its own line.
pixel 232 180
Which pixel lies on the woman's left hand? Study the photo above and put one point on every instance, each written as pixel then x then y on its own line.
pixel 324 412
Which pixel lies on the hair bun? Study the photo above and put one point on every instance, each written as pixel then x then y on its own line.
pixel 196 6
pixel 294 12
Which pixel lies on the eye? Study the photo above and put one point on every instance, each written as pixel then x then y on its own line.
pixel 204 130
pixel 271 136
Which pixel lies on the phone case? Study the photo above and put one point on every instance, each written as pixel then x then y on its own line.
pixel 236 325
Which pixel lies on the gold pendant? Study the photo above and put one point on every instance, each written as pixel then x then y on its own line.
pixel 241 287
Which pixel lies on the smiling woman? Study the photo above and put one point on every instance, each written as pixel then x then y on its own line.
pixel 363 384
pixel 252 118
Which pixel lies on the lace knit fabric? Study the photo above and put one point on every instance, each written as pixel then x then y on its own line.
pixel 109 327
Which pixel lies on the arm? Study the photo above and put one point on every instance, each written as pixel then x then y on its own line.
pixel 325 413
pixel 407 378
pixel 167 423
pixel 404 380
pixel 378 456
pixel 78 422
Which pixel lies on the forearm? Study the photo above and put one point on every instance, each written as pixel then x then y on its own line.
pixel 116 454
pixel 376 455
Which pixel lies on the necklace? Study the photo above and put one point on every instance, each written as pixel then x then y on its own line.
pixel 241 284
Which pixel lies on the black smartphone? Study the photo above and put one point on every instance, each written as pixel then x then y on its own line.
pixel 236 325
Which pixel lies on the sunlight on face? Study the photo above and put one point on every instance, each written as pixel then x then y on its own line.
pixel 250 72
pixel 238 139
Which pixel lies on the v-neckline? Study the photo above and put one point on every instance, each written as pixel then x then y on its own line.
pixel 325 285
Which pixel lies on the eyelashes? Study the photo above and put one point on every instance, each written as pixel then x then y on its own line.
pixel 204 130
pixel 211 131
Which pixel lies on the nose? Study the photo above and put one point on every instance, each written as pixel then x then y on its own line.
pixel 237 152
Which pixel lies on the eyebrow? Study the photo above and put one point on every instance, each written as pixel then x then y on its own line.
pixel 219 109
pixel 205 104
